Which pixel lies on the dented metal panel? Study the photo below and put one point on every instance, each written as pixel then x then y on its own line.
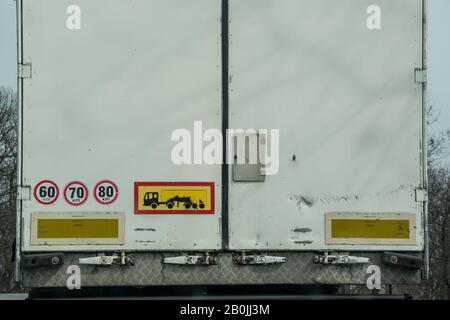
pixel 349 110
pixel 348 103
pixel 134 72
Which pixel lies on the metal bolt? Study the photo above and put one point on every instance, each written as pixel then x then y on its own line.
pixel 55 260
pixel 393 259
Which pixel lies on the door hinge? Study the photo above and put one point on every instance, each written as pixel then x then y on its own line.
pixel 24 193
pixel 420 75
pixel 339 259
pixel 24 70
pixel 116 259
pixel 192 260
pixel 421 195
pixel 257 259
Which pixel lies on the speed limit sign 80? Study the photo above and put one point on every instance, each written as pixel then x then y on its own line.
pixel 106 192
pixel 76 193
pixel 46 192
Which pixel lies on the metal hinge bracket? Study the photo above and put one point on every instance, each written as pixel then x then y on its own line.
pixel 257 259
pixel 24 70
pixel 192 260
pixel 402 260
pixel 42 260
pixel 421 195
pixel 339 259
pixel 24 193
pixel 420 75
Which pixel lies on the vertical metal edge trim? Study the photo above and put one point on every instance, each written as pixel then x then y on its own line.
pixel 225 121
pixel 426 273
pixel 19 178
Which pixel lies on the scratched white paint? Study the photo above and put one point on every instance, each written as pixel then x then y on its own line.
pixel 103 101
pixel 348 110
pixel 103 105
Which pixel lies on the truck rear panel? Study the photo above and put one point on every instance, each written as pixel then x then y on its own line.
pixel 102 107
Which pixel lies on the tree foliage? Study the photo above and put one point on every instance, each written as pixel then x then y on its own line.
pixel 8 159
pixel 438 287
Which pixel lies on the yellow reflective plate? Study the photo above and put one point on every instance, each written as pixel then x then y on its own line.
pixel 77 228
pixel 376 229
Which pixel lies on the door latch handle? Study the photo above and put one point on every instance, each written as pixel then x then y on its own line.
pixel 339 259
pixel 197 259
pixel 257 259
pixel 117 259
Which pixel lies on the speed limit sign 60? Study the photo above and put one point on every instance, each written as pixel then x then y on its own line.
pixel 46 192
pixel 106 192
pixel 76 193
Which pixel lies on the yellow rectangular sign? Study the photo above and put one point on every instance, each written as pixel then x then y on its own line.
pixel 77 228
pixel 376 229
pixel 370 228
pixel 174 198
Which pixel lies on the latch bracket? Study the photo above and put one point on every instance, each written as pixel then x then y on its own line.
pixel 339 259
pixel 24 70
pixel 421 195
pixel 248 163
pixel 24 193
pixel 420 76
pixel 42 260
pixel 257 259
pixel 192 260
pixel 116 259
pixel 402 260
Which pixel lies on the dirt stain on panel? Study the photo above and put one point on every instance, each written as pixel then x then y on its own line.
pixel 302 230
pixel 304 242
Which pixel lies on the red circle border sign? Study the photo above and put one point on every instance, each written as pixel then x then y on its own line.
pixel 116 188
pixel 37 187
pixel 75 183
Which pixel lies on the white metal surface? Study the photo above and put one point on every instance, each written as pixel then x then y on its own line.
pixel 346 101
pixel 349 113
pixel 103 101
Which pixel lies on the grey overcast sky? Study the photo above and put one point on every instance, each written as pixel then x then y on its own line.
pixel 438 54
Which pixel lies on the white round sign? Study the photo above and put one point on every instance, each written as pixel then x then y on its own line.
pixel 106 192
pixel 46 192
pixel 76 193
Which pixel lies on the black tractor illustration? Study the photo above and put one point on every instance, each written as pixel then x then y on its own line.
pixel 152 199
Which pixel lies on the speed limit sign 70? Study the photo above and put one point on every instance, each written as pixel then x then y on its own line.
pixel 76 193
pixel 46 192
pixel 106 192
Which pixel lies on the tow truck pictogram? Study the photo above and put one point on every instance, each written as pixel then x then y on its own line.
pixel 152 199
